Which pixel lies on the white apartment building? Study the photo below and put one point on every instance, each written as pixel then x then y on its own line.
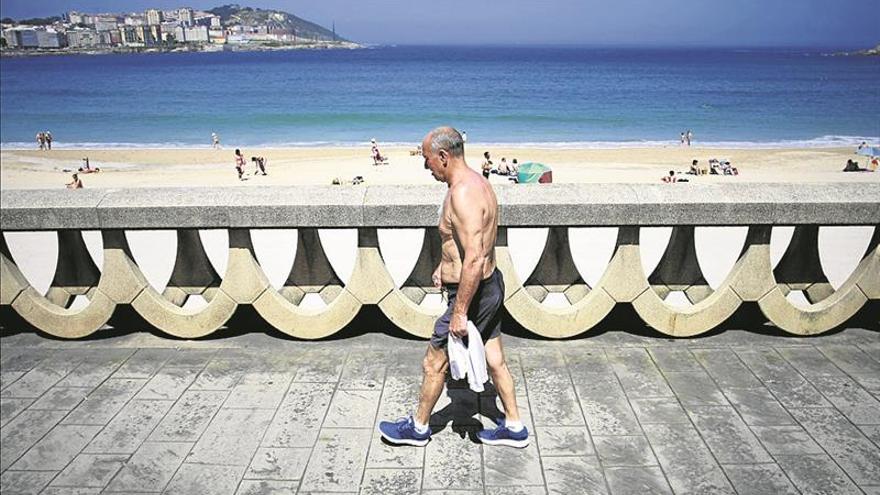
pixel 83 38
pixel 49 38
pixel 185 16
pixel 154 17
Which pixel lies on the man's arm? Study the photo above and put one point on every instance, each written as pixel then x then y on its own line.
pixel 468 225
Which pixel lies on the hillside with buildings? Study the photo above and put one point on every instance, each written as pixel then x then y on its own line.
pixel 230 27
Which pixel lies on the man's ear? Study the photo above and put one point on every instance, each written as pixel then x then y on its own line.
pixel 444 156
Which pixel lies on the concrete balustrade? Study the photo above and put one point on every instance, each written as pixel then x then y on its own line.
pixel 753 278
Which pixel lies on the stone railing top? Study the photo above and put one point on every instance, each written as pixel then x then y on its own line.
pixel 417 206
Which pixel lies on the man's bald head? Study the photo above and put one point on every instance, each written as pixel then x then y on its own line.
pixel 446 139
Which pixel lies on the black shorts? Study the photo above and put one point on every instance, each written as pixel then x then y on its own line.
pixel 483 310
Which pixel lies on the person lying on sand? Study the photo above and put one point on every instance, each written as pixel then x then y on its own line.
pixel 852 166
pixel 86 168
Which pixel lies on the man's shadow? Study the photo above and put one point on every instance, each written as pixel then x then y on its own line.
pixel 464 406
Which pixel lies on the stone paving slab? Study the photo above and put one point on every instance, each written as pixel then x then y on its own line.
pixel 618 413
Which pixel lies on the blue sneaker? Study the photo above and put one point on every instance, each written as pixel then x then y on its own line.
pixel 503 436
pixel 403 432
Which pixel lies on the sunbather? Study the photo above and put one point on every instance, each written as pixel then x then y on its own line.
pixel 669 178
pixel 86 168
pixel 852 166
pixel 76 183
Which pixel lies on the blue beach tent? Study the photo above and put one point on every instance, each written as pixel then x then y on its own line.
pixel 869 151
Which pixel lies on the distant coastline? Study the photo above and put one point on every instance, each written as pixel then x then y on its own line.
pixel 226 28
pixel 69 51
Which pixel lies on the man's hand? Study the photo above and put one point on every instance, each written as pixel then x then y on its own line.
pixel 458 325
pixel 435 277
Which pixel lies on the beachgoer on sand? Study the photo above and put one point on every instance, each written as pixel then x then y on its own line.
pixel 689 136
pixel 48 136
pixel 86 168
pixel 682 139
pixel 378 159
pixel 259 164
pixel 514 167
pixel 239 163
pixel 669 178
pixel 41 141
pixel 464 136
pixel 853 166
pixel 503 168
pixel 487 165
pixel 76 183
pixel 475 287
pixel 215 141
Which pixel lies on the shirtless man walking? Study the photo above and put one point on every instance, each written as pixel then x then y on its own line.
pixel 468 227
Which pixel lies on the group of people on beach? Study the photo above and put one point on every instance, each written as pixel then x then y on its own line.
pixel 44 140
pixel 686 137
pixel 713 167
pixel 85 168
pixel 258 161
pixel 503 168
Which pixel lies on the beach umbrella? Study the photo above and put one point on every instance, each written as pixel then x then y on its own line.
pixel 534 173
pixel 869 151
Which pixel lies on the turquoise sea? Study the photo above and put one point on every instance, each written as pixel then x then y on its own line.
pixel 558 96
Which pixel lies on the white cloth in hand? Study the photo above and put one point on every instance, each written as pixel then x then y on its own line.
pixel 468 361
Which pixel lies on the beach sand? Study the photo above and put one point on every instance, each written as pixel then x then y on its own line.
pixel 33 169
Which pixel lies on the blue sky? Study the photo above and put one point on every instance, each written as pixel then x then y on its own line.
pixel 814 23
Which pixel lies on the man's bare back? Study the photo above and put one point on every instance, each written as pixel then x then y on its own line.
pixel 474 200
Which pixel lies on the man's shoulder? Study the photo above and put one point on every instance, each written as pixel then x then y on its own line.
pixel 469 192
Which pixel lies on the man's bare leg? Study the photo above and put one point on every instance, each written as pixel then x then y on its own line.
pixel 433 376
pixel 502 378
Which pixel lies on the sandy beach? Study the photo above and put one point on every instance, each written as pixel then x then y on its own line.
pixel 33 169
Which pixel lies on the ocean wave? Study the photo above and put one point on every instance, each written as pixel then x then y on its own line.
pixel 818 142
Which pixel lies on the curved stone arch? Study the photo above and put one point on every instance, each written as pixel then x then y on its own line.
pixel 192 274
pixel 589 308
pixel 403 305
pixel 834 309
pixel 311 273
pixel 75 274
pixel 679 269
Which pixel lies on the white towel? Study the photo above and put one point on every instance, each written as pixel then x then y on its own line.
pixel 468 361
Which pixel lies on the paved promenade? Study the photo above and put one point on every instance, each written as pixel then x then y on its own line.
pixel 736 412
